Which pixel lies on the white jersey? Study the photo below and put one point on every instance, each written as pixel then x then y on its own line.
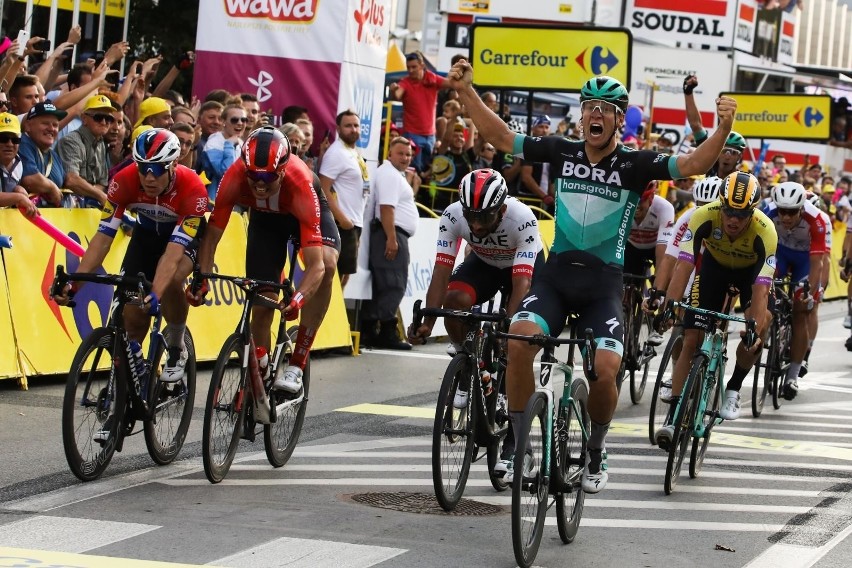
pixel 655 229
pixel 829 229
pixel 673 244
pixel 514 243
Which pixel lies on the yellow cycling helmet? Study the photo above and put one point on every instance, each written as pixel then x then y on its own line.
pixel 740 194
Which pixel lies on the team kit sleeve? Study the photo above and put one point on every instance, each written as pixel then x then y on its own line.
pixel 817 228
pixel 305 205
pixel 116 202
pixel 226 197
pixel 665 215
pixel 769 240
pixel 528 247
pixel 673 244
pixel 193 205
pixel 699 227
pixel 449 235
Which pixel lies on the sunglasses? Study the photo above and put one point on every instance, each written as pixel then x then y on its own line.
pixel 604 107
pixel 4 104
pixel 480 217
pixel 235 120
pixel 787 212
pixel 100 117
pixel 738 213
pixel 731 152
pixel 265 177
pixel 156 169
pixel 6 138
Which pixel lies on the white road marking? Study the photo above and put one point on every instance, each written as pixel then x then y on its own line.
pixel 309 553
pixel 676 525
pixel 65 534
pixel 663 505
pixel 791 556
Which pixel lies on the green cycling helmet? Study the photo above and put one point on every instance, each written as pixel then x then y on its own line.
pixel 606 89
pixel 735 140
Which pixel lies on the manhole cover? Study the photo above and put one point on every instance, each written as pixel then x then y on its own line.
pixel 423 503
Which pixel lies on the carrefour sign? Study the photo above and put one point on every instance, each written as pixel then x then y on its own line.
pixel 539 58
pixel 798 117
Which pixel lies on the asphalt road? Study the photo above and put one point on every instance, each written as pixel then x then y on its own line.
pixel 774 491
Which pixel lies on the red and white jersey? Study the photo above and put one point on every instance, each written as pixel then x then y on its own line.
pixel 829 230
pixel 514 243
pixel 295 197
pixel 808 234
pixel 655 229
pixel 179 210
pixel 679 229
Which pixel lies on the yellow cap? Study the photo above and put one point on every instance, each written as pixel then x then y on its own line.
pixel 150 107
pixel 99 102
pixel 10 123
pixel 139 130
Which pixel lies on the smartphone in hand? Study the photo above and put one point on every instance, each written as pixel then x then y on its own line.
pixel 43 45
pixel 23 37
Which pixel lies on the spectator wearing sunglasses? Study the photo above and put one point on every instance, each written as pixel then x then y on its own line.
pixel 43 169
pixel 223 147
pixel 84 152
pixel 11 168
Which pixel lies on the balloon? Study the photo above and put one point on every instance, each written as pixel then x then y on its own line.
pixel 633 118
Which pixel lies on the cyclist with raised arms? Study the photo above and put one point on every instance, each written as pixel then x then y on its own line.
pixel 277 189
pixel 801 249
pixel 598 185
pixel 169 201
pixel 505 253
pixel 728 243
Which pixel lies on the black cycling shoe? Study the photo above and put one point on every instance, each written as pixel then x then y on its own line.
pixel 849 344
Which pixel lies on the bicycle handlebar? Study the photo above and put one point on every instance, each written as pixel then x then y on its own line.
pixel 419 313
pixel 248 285
pixel 587 342
pixel 636 277
pixel 140 282
pixel 751 325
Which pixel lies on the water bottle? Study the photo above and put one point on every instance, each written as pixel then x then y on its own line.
pixel 262 361
pixel 137 360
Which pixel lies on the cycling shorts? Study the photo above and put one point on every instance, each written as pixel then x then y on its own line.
pixel 636 260
pixel 481 281
pixel 711 284
pixel 796 262
pixel 593 292
pixel 147 247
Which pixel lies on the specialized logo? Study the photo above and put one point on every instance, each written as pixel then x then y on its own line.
pixel 528 300
pixel 612 323
pixel 808 116
pixel 370 18
pixel 263 80
pixel 600 60
pixel 290 11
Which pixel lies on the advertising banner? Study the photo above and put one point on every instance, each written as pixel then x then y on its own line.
pixel 664 68
pixel 114 8
pixel 8 352
pixel 697 22
pixel 792 117
pixel 48 335
pixel 576 11
pixel 513 56
pixel 746 18
pixel 786 38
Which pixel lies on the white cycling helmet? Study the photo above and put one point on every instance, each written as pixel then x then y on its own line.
pixel 789 195
pixel 707 190
pixel 483 191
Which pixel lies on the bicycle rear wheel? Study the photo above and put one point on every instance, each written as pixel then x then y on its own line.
pixel 781 354
pixel 628 348
pixel 280 438
pixel 571 448
pixel 496 420
pixel 94 404
pixel 529 485
pixel 227 401
pixel 453 433
pixel 659 409
pixel 763 381
pixel 699 445
pixel 684 421
pixel 642 331
pixel 166 430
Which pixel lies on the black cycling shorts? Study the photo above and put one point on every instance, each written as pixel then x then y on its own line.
pixel 637 261
pixel 481 281
pixel 146 247
pixel 593 292
pixel 711 284
pixel 347 262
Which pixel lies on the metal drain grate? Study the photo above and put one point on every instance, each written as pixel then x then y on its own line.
pixel 424 504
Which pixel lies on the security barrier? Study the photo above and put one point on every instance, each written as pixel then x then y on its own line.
pixel 40 337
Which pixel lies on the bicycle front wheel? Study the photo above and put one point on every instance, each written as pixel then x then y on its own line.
pixel 453 433
pixel 781 358
pixel 529 485
pixel 496 421
pixel 659 409
pixel 684 422
pixel 281 437
pixel 763 381
pixel 165 431
pixel 699 445
pixel 94 404
pixel 571 449
pixel 639 375
pixel 226 406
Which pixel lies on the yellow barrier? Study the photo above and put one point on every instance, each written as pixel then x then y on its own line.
pixel 44 336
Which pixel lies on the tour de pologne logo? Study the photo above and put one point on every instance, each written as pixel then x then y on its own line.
pixel 372 12
pixel 292 11
pixel 264 79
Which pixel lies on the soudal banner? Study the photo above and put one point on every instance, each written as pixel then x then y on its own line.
pixel 786 38
pixel 698 22
pixel 744 31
